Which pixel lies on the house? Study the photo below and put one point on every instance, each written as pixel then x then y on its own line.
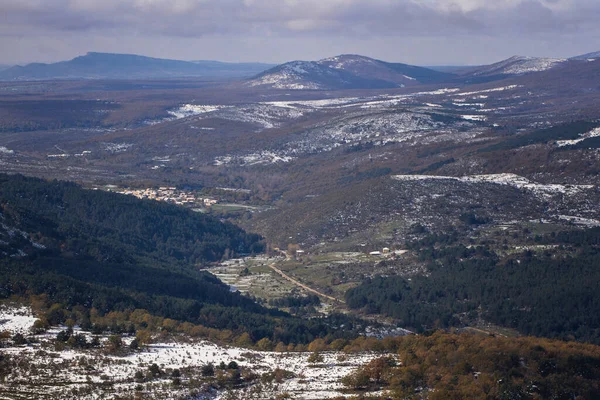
pixel 375 253
pixel 386 250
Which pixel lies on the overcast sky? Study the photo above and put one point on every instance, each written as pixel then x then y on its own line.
pixel 423 32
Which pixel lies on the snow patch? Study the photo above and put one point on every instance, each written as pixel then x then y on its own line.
pixel 188 110
pixel 498 89
pixel 117 147
pixel 520 182
pixel 16 319
pixel 588 135
pixel 474 117
pixel 262 158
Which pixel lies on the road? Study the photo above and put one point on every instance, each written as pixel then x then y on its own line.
pixel 303 286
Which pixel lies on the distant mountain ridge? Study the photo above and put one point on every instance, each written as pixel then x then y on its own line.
pixel 587 56
pixel 129 66
pixel 346 71
pixel 518 65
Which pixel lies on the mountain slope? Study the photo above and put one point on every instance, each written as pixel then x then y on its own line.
pixel 587 56
pixel 127 66
pixel 91 250
pixel 345 72
pixel 107 227
pixel 518 65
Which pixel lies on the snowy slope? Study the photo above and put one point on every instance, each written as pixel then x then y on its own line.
pixel 344 72
pixel 518 65
pixel 588 56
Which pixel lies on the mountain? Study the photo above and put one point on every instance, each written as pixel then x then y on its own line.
pixel 517 65
pixel 345 72
pixel 587 56
pixel 128 66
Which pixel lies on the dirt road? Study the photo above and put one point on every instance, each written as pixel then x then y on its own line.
pixel 303 286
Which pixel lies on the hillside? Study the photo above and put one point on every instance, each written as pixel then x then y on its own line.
pixel 88 250
pixel 518 65
pixel 587 56
pixel 450 366
pixel 128 66
pixel 107 227
pixel 545 288
pixel 345 72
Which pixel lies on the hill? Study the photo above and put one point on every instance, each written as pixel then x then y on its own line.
pixel 450 366
pixel 587 56
pixel 345 72
pixel 511 67
pixel 128 66
pixel 542 293
pixel 99 252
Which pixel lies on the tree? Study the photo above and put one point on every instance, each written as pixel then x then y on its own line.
pixel 154 369
pixel 143 336
pixel 265 344
pixel 19 339
pixel 315 357
pixel 281 347
pixel 114 344
pixel 134 345
pixel 317 345
pixel 208 369
pixel 356 380
pixel 244 340
pixel 232 365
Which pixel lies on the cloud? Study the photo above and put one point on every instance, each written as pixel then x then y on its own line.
pixel 195 18
pixel 422 31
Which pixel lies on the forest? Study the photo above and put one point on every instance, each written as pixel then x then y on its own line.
pixel 549 294
pixel 104 226
pixel 449 366
pixel 100 253
pixel 567 131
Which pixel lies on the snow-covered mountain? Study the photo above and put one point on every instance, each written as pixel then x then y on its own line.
pixel 518 65
pixel 587 56
pixel 345 72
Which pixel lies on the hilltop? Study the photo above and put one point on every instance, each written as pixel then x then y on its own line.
pixel 128 66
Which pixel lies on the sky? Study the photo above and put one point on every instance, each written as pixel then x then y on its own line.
pixel 422 32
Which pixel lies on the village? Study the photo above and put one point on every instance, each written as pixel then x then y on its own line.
pixel 167 194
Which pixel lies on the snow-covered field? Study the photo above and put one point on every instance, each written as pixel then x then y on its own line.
pixel 16 319
pixel 117 147
pixel 506 179
pixel 188 110
pixel 379 126
pixel 498 89
pixel 45 371
pixel 264 157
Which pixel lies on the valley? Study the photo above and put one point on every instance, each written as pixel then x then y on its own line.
pixel 320 224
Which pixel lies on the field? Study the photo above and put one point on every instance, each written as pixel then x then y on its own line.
pixel 45 370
